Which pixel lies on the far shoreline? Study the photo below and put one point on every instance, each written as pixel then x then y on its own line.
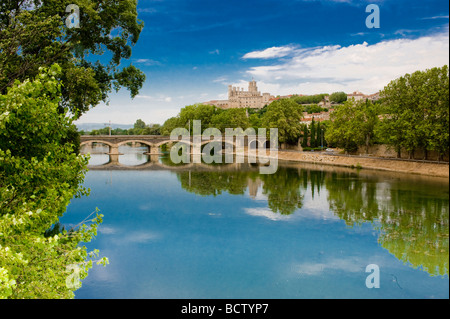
pixel 385 164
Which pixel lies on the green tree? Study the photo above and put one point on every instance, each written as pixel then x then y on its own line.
pixel 33 34
pixel 39 174
pixel 169 125
pixel 230 118
pixel 416 111
pixel 313 140
pixel 345 127
pixel 319 135
pixel 201 112
pixel 308 99
pixel 305 131
pixel 254 121
pixel 338 97
pixel 286 116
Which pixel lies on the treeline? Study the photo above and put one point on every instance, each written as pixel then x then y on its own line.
pixel 284 114
pixel 336 97
pixel 313 137
pixel 139 128
pixel 413 115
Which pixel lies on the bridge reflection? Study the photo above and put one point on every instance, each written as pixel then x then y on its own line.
pixel 136 158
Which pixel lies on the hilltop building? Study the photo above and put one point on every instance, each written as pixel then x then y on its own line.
pixel 238 98
pixel 358 96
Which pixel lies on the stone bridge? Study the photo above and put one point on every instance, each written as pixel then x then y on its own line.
pixel 153 142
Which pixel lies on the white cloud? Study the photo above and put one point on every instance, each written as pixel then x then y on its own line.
pixel 436 17
pixel 363 67
pixel 147 62
pixel 267 213
pixel 351 264
pixel 270 53
pixel 161 98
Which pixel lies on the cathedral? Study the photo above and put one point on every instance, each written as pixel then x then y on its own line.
pixel 238 98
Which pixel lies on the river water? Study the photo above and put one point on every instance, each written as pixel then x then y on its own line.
pixel 225 231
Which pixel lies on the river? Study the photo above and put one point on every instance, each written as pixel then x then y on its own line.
pixel 225 231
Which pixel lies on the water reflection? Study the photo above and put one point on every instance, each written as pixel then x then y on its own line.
pixel 128 155
pixel 411 213
pixel 413 221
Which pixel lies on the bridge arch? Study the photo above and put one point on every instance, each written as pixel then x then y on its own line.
pixel 97 141
pixel 172 141
pixel 146 143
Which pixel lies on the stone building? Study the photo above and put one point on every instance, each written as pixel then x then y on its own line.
pixel 358 96
pixel 238 98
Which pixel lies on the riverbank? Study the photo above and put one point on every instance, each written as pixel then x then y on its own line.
pixel 422 168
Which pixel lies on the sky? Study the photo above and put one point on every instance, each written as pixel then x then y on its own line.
pixel 191 50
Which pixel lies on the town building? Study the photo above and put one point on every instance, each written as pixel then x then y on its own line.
pixel 238 98
pixel 358 96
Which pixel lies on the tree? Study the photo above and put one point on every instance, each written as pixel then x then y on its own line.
pixel 308 99
pixel 169 125
pixel 286 116
pixel 254 121
pixel 230 118
pixel 313 141
pixel 305 135
pixel 201 112
pixel 33 34
pixel 39 174
pixel 416 111
pixel 352 124
pixel 319 135
pixel 338 97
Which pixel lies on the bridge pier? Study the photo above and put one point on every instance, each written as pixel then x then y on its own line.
pixel 114 158
pixel 154 150
pixel 114 154
pixel 114 150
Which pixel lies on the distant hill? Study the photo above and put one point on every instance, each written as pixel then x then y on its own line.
pixel 87 127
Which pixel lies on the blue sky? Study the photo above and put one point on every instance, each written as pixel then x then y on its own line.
pixel 191 50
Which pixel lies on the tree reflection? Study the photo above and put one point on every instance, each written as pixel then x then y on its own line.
pixel 412 218
pixel 351 197
pixel 213 183
pixel 415 229
pixel 283 190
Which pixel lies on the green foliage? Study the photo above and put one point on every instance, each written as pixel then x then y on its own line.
pixel 308 99
pixel 314 108
pixel 33 34
pixel 201 112
pixel 313 139
pixel 39 174
pixel 285 115
pixel 230 118
pixel 352 124
pixel 416 111
pixel 305 131
pixel 210 116
pixel 338 97
pixel 169 125
pixel 139 128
